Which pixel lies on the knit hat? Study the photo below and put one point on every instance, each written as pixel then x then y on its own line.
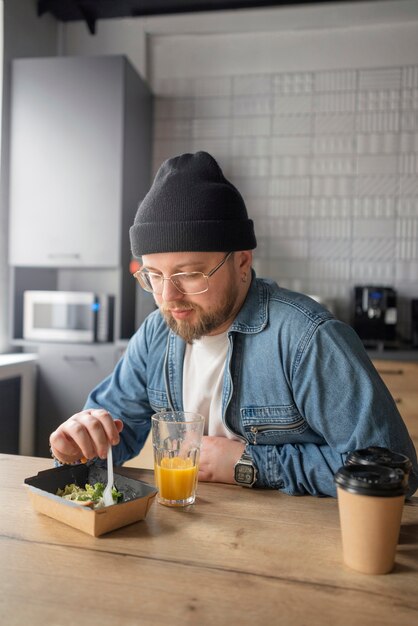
pixel 191 207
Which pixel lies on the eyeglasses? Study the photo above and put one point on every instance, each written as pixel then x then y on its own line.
pixel 188 283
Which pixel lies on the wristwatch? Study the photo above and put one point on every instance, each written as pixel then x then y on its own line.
pixel 245 472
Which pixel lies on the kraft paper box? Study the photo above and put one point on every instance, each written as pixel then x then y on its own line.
pixel 138 497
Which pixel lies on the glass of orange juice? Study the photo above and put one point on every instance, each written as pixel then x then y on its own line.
pixel 176 440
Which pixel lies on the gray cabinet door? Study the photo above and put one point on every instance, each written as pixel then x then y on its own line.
pixel 10 415
pixel 67 373
pixel 66 161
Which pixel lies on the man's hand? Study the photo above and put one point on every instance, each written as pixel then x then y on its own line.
pixel 86 434
pixel 217 459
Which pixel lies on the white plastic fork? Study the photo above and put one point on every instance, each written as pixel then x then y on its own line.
pixel 107 493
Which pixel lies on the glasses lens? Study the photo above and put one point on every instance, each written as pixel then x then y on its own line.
pixel 149 281
pixel 190 282
pixel 185 282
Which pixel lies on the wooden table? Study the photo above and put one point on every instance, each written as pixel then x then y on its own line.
pixel 237 557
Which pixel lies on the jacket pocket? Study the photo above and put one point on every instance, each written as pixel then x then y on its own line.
pixel 272 425
pixel 158 400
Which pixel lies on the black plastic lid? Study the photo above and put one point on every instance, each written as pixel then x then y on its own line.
pixel 379 456
pixel 371 480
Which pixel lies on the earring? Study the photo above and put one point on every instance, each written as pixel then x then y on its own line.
pixel 244 278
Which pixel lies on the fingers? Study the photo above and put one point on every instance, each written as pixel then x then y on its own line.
pixel 63 448
pixel 119 425
pixel 205 475
pixel 99 422
pixel 87 434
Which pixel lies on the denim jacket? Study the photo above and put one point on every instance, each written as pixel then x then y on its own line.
pixel 298 388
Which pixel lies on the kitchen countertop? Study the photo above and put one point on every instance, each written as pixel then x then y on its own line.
pixel 385 354
pixel 7 360
pixel 394 354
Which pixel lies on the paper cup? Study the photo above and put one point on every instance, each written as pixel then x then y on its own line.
pixel 370 502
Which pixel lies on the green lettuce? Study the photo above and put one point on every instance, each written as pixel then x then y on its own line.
pixel 90 493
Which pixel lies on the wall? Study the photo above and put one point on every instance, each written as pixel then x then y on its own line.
pixel 25 35
pixel 313 114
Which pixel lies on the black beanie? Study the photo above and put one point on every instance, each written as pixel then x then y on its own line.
pixel 191 207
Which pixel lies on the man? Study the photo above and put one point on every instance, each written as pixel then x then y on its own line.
pixel 286 389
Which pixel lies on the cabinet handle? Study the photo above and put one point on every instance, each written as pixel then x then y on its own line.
pixel 77 359
pixel 391 372
pixel 70 255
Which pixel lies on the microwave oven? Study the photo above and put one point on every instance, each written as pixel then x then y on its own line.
pixel 68 316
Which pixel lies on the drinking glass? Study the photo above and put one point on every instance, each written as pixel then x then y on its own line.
pixel 176 439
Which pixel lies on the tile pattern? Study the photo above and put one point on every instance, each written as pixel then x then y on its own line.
pixel 327 162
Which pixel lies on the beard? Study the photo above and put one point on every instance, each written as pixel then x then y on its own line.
pixel 207 321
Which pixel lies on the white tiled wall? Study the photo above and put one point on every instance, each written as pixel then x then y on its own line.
pixel 312 111
pixel 327 162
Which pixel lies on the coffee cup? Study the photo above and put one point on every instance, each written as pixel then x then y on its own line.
pixel 370 503
pixel 375 455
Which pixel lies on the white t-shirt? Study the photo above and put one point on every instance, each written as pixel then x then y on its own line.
pixel 203 373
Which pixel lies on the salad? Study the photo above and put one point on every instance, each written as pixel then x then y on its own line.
pixel 90 495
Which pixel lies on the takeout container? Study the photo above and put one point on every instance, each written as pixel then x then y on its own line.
pixel 138 497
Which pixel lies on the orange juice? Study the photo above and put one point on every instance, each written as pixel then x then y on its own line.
pixel 176 478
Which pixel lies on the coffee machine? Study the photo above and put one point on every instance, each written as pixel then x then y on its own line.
pixel 375 313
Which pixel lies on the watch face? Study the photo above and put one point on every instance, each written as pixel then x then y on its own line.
pixel 244 474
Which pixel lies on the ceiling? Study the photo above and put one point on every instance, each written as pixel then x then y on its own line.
pixel 92 10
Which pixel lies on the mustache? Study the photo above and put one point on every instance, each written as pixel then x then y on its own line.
pixel 167 307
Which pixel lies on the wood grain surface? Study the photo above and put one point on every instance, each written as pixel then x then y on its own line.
pixel 237 557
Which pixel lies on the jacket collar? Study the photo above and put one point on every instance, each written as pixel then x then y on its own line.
pixel 253 315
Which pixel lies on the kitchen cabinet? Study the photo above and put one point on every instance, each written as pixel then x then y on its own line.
pixel 67 374
pixel 9 422
pixel 18 373
pixel 80 160
pixel 398 376
pixel 401 378
pixel 408 407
